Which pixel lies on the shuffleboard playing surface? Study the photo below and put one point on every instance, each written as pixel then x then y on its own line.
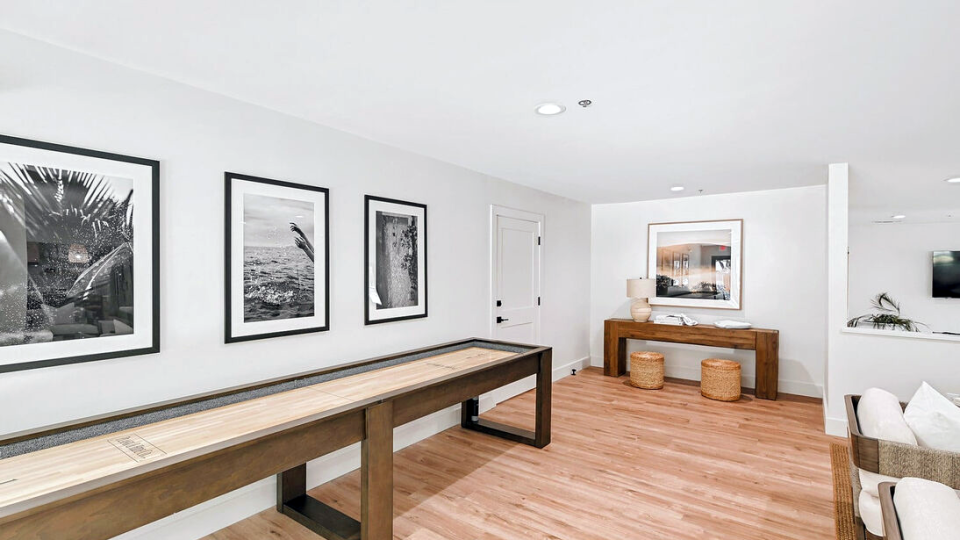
pixel 40 476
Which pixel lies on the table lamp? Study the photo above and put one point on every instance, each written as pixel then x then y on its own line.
pixel 640 289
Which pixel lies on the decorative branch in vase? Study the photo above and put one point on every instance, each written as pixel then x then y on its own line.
pixel 888 316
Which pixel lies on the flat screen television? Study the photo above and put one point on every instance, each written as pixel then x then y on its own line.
pixel 946 274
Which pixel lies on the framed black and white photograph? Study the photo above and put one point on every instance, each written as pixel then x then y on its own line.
pixel 707 260
pixel 79 255
pixel 277 258
pixel 395 259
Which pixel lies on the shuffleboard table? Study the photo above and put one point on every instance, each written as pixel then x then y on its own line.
pixel 102 476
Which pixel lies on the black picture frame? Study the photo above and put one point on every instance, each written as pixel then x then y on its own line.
pixel 154 250
pixel 229 336
pixel 366 260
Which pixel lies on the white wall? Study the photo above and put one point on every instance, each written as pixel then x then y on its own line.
pixel 856 361
pixel 896 258
pixel 784 282
pixel 51 94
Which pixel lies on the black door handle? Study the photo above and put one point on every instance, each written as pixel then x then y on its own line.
pixel 501 319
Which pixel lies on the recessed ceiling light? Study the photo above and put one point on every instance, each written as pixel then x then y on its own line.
pixel 898 216
pixel 677 188
pixel 953 180
pixel 550 109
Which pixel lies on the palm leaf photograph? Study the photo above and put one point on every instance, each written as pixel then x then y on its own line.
pixel 66 261
pixel 76 226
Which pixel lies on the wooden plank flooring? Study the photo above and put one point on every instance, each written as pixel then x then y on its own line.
pixel 624 464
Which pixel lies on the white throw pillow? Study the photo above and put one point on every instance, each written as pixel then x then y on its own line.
pixel 881 417
pixel 870 513
pixel 927 510
pixel 934 419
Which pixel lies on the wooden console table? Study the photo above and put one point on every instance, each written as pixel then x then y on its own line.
pixel 616 332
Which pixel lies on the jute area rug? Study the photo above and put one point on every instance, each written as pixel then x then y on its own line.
pixel 842 492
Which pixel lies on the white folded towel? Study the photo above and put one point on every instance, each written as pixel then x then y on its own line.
pixel 927 510
pixel 675 319
pixel 738 325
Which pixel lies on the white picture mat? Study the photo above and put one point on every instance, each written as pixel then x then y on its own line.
pixel 736 259
pixel 142 176
pixel 394 208
pixel 239 188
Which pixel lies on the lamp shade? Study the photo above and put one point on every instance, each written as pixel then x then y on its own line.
pixel 641 288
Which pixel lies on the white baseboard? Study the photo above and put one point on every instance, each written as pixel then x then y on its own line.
pixel 750 381
pixel 240 504
pixel 835 426
pixel 560 372
pixel 523 385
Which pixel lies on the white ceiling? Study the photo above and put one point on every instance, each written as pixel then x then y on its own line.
pixel 722 96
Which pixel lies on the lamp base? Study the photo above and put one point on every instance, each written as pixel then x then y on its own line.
pixel 640 310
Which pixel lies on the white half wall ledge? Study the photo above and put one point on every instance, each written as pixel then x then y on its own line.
pixel 902 335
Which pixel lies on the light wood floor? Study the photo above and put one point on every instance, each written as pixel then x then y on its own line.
pixel 624 464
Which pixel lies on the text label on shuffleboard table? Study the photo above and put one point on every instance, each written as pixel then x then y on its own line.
pixel 136 447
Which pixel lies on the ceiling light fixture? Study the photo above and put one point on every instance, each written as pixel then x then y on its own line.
pixel 550 109
pixel 898 216
pixel 677 188
pixel 953 180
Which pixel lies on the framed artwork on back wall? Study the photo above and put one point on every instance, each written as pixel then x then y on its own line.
pixel 277 258
pixel 79 255
pixel 696 264
pixel 395 260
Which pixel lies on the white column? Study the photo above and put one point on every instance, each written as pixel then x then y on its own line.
pixel 838 188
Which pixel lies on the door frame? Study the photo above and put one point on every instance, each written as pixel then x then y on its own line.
pixel 514 213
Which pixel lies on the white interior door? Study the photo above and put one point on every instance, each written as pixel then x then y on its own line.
pixel 517 276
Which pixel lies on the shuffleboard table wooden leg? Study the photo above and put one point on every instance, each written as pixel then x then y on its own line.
pixel 544 399
pixel 376 487
pixel 293 501
pixel 376 474
pixel 470 411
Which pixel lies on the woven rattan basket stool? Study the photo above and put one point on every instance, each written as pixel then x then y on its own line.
pixel 720 379
pixel 646 370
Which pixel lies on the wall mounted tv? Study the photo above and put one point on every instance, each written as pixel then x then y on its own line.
pixel 946 274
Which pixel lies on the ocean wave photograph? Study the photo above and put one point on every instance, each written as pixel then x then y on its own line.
pixel 277 284
pixel 278 271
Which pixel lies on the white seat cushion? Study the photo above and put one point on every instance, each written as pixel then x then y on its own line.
pixel 934 419
pixel 870 482
pixel 881 417
pixel 927 510
pixel 870 513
